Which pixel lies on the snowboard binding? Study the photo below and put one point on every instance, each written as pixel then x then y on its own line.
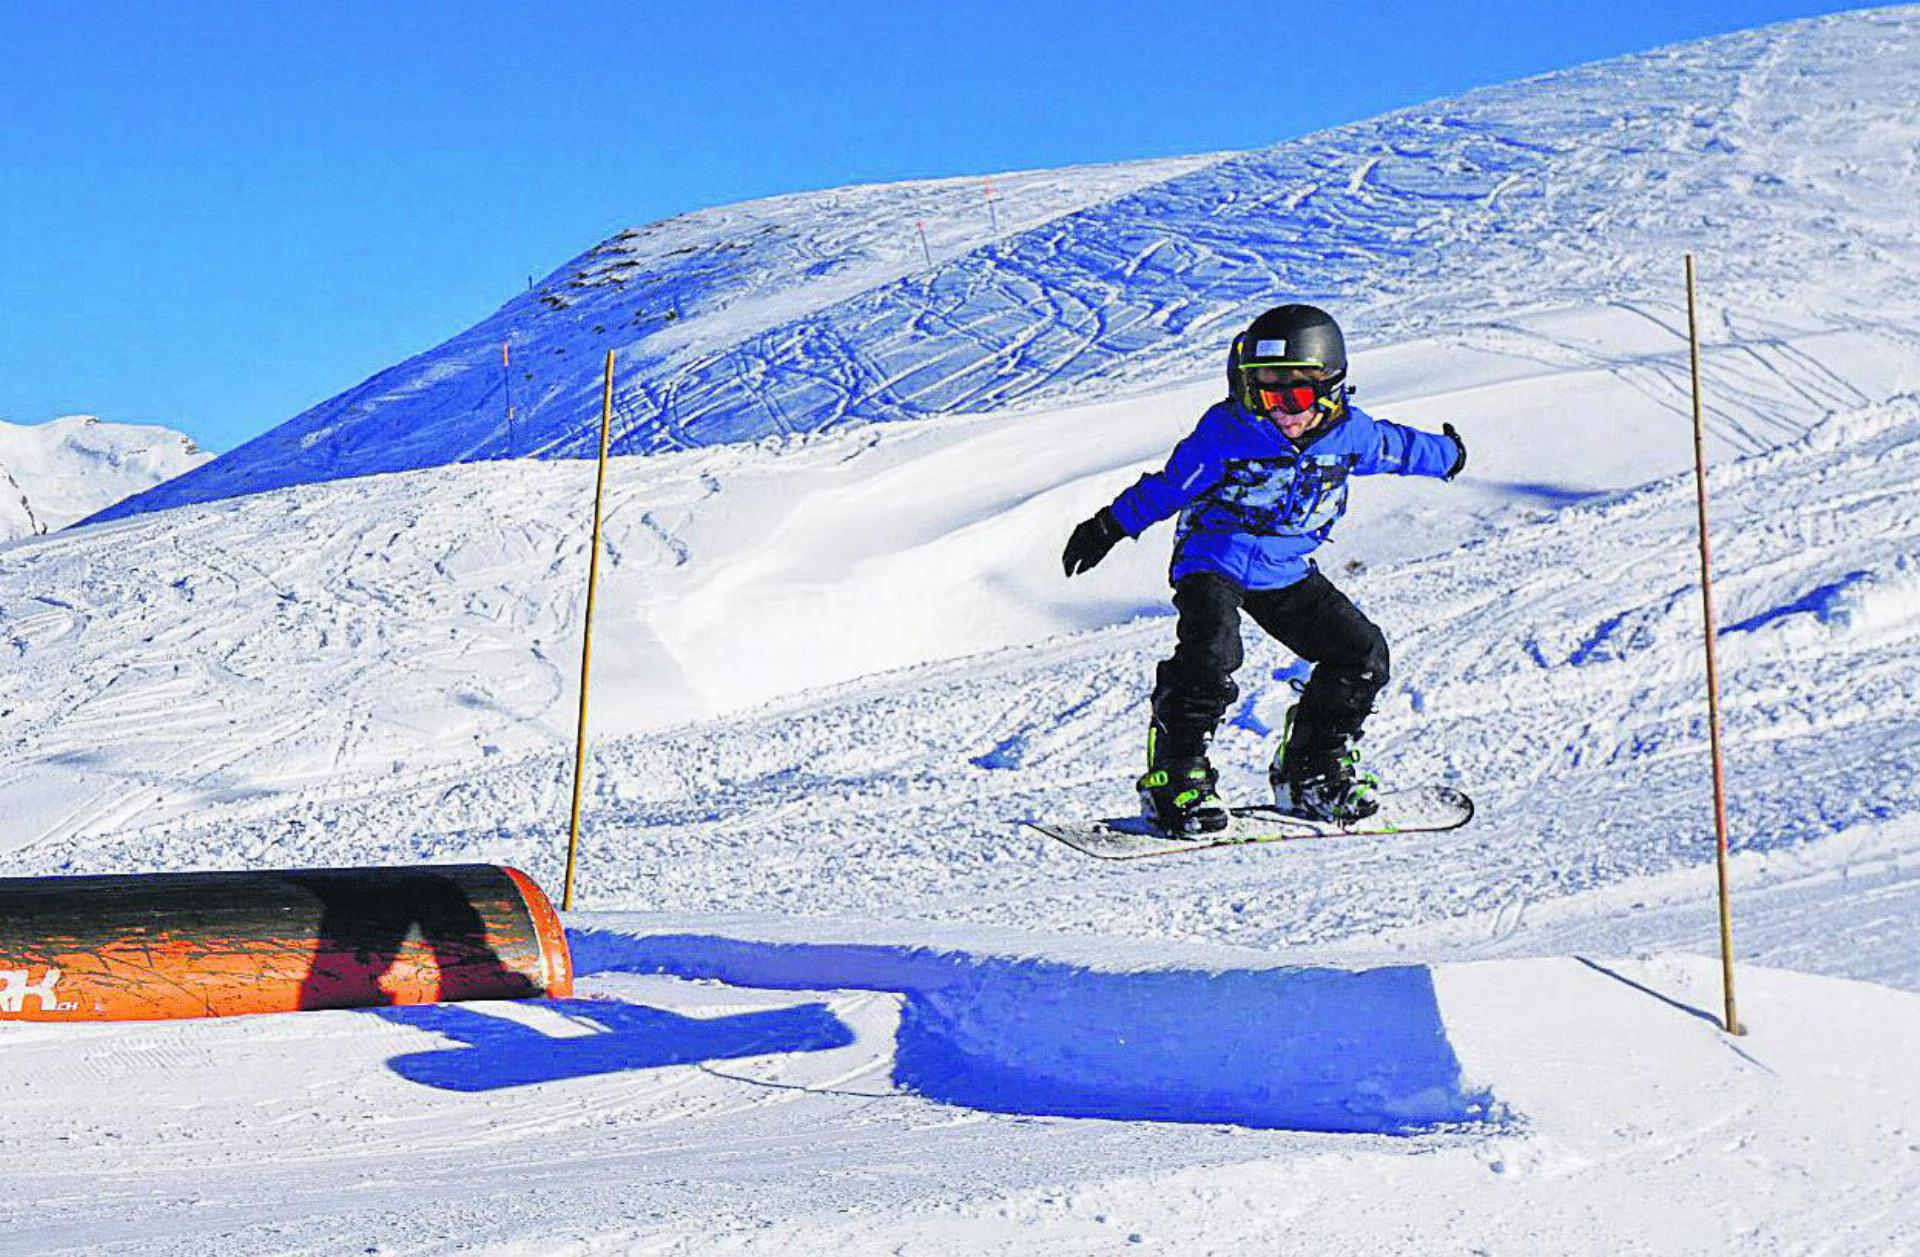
pixel 1319 777
pixel 1181 800
pixel 1179 795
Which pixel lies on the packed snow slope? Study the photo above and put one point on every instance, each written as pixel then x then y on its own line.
pixel 54 473
pixel 837 996
pixel 725 1094
pixel 1783 156
pixel 383 670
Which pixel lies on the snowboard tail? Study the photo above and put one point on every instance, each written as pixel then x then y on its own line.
pixel 1414 810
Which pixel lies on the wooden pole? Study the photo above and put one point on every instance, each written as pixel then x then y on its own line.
pixel 925 250
pixel 586 640
pixel 1732 1022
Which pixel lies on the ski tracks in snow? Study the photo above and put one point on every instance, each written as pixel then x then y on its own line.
pixel 1552 669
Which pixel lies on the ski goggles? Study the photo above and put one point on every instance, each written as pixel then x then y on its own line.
pixel 1290 390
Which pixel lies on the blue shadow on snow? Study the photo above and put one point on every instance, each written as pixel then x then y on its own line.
pixel 503 1053
pixel 1295 1049
pixel 1822 604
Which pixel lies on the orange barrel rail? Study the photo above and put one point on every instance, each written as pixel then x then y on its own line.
pixel 157 946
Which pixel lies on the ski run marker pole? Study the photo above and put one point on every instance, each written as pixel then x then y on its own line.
pixel 1732 1023
pixel 506 377
pixel 586 640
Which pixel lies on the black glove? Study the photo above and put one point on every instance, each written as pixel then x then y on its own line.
pixel 1090 542
pixel 1460 443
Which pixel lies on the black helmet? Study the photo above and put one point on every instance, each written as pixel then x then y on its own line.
pixel 1287 336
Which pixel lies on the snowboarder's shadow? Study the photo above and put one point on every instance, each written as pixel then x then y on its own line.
pixel 500 1052
pixel 1139 826
pixel 362 939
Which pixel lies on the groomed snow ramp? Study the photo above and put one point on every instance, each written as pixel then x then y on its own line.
pixel 1295 1048
pixel 162 946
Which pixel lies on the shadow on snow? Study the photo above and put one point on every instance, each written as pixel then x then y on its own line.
pixel 502 1053
pixel 1294 1049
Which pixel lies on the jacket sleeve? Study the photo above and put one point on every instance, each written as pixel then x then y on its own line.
pixel 1194 467
pixel 1395 449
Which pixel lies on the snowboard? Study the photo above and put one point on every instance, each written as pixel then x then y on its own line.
pixel 1413 810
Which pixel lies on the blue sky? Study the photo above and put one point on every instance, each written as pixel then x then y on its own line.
pixel 214 215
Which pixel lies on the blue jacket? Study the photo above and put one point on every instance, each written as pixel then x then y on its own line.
pixel 1253 505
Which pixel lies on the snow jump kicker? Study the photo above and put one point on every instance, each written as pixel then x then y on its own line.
pixel 159 946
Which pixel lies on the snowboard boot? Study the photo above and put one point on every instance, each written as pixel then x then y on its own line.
pixel 1179 799
pixel 1178 795
pixel 1319 777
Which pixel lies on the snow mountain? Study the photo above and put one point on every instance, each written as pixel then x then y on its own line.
pixel 54 473
pixel 1438 223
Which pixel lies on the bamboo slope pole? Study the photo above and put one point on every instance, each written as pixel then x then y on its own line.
pixel 586 640
pixel 1732 1022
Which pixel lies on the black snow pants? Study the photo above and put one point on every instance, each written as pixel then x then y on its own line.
pixel 1311 618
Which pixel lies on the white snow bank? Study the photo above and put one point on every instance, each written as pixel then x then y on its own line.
pixel 784 1111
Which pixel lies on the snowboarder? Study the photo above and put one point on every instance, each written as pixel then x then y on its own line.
pixel 1259 484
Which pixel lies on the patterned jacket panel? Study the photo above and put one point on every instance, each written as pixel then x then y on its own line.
pixel 1253 506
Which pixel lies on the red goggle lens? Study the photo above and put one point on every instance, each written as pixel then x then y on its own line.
pixel 1290 399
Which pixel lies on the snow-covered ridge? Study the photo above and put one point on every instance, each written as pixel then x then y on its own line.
pixel 1781 156
pixel 54 473
pixel 667 295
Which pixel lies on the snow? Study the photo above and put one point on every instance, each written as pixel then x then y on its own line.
pixel 836 997
pixel 54 473
pixel 1781 156
pixel 787 1109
